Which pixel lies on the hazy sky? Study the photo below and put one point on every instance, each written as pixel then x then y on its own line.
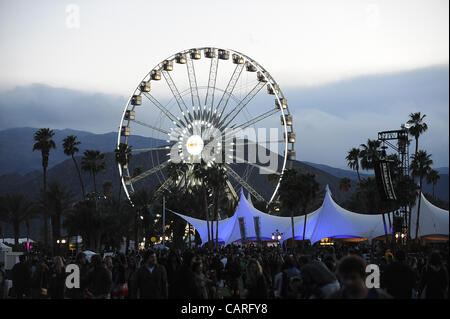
pixel 299 42
pixel 306 46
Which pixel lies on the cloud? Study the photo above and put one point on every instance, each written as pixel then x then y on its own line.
pixel 328 119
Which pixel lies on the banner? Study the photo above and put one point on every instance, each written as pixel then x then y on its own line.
pixel 384 182
pixel 257 224
pixel 242 229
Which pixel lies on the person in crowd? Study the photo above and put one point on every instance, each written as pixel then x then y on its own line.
pixel 57 281
pixel 109 263
pixel 318 281
pixel 151 279
pixel 290 271
pixel 83 266
pixel 233 276
pixel 40 281
pixel 131 272
pixel 99 279
pixel 21 275
pixel 2 281
pixel 351 271
pixel 398 278
pixel 202 282
pixel 278 279
pixel 173 267
pixel 434 281
pixel 120 285
pixel 255 283
pixel 184 286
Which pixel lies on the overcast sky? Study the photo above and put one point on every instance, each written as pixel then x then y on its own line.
pixel 312 49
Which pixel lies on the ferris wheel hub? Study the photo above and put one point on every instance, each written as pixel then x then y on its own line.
pixel 194 145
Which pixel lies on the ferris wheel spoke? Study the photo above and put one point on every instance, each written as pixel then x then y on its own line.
pixel 242 104
pixel 232 191
pixel 209 100
pixel 149 172
pixel 172 117
pixel 229 89
pixel 177 95
pixel 256 119
pixel 262 168
pixel 193 84
pixel 259 142
pixel 150 126
pixel 243 183
pixel 161 148
pixel 165 185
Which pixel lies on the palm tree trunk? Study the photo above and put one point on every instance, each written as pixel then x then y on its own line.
pixel 120 187
pixel 293 233
pixel 45 209
pixel 385 229
pixel 212 233
pixel 304 226
pixel 433 190
pixel 207 216
pixel 16 233
pixel 418 208
pixel 409 222
pixel 79 176
pixel 359 177
pixel 189 235
pixel 95 184
pixel 216 208
pixel 136 231
pixel 417 145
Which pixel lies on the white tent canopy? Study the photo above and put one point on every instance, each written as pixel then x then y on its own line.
pixel 433 220
pixel 21 240
pixel 329 221
pixel 334 221
pixel 4 247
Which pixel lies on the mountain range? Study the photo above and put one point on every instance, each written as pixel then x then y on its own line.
pixel 21 168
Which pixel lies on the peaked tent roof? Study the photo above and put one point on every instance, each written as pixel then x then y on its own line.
pixel 335 221
pixel 329 221
pixel 4 247
pixel 268 224
pixel 433 220
pixel 201 226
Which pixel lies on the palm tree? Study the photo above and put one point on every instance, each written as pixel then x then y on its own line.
pixel 345 184
pixel 418 126
pixel 297 191
pixel 70 149
pixel 353 160
pixel 420 166
pixel 216 178
pixel 308 193
pixel 57 201
pixel 142 200
pixel 85 220
pixel 370 154
pixel 93 162
pixel 122 155
pixel 433 178
pixel 14 210
pixel 44 143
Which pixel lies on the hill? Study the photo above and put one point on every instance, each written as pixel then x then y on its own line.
pixel 16 146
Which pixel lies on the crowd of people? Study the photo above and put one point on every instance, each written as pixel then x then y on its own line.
pixel 237 272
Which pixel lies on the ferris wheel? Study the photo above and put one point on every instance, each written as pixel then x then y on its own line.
pixel 205 104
